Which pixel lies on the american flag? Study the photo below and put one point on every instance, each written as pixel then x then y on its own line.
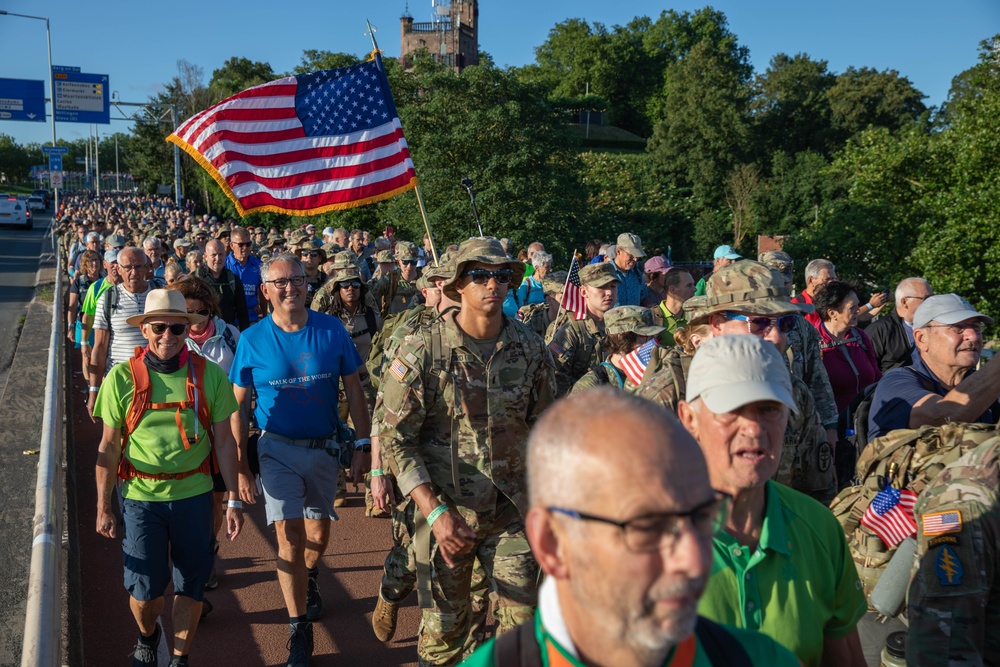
pixel 941 522
pixel 634 363
pixel 305 144
pixel 890 515
pixel 572 295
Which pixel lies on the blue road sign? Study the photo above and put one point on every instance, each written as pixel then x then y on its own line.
pixel 21 99
pixel 55 162
pixel 61 150
pixel 81 97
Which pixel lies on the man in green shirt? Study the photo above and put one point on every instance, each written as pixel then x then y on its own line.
pixel 626 559
pixel 781 565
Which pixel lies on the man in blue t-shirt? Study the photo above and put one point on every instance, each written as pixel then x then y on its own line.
pixel 246 267
pixel 295 359
pixel 942 385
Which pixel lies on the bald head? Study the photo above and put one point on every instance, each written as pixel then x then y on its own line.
pixel 589 444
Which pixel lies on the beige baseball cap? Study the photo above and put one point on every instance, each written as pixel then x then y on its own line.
pixel 728 372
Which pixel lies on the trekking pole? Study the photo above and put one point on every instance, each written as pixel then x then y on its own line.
pixel 467 182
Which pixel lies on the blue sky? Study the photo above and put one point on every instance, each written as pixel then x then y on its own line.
pixel 138 43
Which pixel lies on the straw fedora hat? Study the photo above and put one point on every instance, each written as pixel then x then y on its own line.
pixel 165 303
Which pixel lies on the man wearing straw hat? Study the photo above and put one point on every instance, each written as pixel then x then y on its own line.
pixel 162 452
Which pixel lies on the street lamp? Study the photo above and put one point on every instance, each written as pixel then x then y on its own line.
pixel 52 88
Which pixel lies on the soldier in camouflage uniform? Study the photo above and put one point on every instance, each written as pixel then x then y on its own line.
pixel 395 292
pixel 310 252
pixel 803 351
pixel 953 607
pixel 538 316
pixel 576 345
pixel 628 328
pixel 458 401
pixel 747 289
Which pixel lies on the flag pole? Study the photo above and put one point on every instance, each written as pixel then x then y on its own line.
pixel 416 188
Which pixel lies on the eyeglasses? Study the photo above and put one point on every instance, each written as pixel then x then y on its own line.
pixel 408 262
pixel 760 325
pixel 282 283
pixel 131 267
pixel 483 276
pixel 353 284
pixel 241 245
pixel 309 253
pixel 159 327
pixel 203 312
pixel 654 532
pixel 918 298
pixel 959 329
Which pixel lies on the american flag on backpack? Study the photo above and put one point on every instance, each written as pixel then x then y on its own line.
pixel 634 363
pixel 890 515
pixel 572 292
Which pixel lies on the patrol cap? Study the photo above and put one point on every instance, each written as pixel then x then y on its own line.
pixel 384 257
pixel 344 260
pixel 748 287
pixel 946 309
pixel 345 275
pixel 406 250
pixel 554 283
pixel 631 243
pixel 778 260
pixel 728 372
pixel 182 242
pixel 726 252
pixel 631 319
pixel 484 250
pixel 601 274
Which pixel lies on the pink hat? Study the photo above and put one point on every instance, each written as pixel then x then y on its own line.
pixel 656 264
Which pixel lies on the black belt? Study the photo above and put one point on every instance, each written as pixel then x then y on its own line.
pixel 310 443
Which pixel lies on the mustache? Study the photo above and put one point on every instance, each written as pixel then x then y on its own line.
pixel 685 587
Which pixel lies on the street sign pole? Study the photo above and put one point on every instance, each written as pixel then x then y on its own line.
pixel 52 94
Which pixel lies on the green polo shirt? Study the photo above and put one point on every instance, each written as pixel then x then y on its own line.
pixel 672 323
pixel 798 586
pixel 690 653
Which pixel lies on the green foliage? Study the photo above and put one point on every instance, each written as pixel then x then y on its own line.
pixel 314 61
pixel 790 105
pixel 237 74
pixel 865 97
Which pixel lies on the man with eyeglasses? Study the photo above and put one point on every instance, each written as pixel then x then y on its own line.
pixel 457 401
pixel 741 298
pixel 394 292
pixel 892 335
pixel 247 268
pixel 942 384
pixel 115 339
pixel 631 283
pixel 294 360
pixel 152 247
pixel 232 297
pixel 626 563
pixel 781 564
pixel 577 345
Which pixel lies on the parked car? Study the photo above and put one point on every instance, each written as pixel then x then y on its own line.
pixel 14 212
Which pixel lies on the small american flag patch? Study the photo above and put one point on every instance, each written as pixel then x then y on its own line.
pixel 398 369
pixel 942 522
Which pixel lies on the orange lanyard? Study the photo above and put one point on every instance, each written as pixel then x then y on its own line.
pixel 683 655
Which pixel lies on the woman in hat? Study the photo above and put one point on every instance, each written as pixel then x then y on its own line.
pixel 349 303
pixel 628 329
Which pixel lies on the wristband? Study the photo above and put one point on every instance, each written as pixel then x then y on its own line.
pixel 869 306
pixel 435 513
pixel 94 389
pixel 377 472
pixel 361 442
pixel 234 504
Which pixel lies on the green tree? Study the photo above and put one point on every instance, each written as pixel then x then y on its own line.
pixel 791 106
pixel 14 163
pixel 237 74
pixel 863 97
pixel 314 61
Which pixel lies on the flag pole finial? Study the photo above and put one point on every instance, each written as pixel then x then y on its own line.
pixel 371 33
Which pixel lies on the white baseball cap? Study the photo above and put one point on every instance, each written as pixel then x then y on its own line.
pixel 731 371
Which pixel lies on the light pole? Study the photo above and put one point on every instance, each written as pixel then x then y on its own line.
pixel 52 89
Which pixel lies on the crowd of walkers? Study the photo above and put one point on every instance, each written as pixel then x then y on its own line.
pixel 668 472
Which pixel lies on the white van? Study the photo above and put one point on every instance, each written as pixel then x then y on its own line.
pixel 13 212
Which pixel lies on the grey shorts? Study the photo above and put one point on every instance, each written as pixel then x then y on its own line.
pixel 298 482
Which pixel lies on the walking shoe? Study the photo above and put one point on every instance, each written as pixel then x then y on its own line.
pixel 384 618
pixel 314 603
pixel 341 499
pixel 144 652
pixel 300 644
pixel 179 661
pixel 206 608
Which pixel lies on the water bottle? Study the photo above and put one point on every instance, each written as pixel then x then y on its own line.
pixel 894 651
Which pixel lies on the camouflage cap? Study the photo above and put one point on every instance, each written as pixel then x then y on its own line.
pixel 778 260
pixel 406 250
pixel 313 244
pixel 331 249
pixel 553 283
pixel 599 275
pixel 272 239
pixel 747 287
pixel 345 275
pixel 445 269
pixel 634 319
pixel 223 231
pixel 695 307
pixel 264 255
pixel 344 260
pixel 384 257
pixel 297 238
pixel 482 250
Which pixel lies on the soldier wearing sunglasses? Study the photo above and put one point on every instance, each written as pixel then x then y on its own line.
pixel 748 298
pixel 395 291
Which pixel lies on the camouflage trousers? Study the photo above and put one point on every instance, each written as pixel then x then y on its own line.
pixel 447 627
pixel 399 577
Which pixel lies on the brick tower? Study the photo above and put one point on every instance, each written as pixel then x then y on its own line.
pixel 451 36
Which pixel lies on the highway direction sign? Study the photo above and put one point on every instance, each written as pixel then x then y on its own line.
pixel 55 162
pixel 22 99
pixel 81 97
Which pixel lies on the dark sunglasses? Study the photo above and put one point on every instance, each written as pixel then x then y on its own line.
pixel 241 245
pixel 159 327
pixel 309 253
pixel 760 325
pixel 408 262
pixel 202 312
pixel 482 276
pixel 348 285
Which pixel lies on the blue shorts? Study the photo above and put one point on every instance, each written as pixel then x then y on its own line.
pixel 158 533
pixel 298 482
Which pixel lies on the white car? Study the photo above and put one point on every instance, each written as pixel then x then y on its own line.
pixel 36 204
pixel 14 212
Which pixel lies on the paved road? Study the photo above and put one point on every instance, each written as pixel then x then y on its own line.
pixel 249 624
pixel 19 250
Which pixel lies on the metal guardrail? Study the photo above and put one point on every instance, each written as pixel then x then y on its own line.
pixel 42 645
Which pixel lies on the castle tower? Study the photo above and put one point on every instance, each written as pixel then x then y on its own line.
pixel 451 35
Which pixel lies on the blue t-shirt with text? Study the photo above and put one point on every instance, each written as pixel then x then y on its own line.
pixel 296 375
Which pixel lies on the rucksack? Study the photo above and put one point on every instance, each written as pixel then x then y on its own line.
pixel 535 316
pixel 906 459
pixel 376 353
pixel 142 394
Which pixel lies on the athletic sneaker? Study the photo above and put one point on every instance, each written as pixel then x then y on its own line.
pixel 314 603
pixel 300 644
pixel 144 653
pixel 179 661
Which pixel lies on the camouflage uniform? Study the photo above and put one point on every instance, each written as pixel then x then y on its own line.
pixel 953 607
pixel 623 319
pixel 577 346
pixel 392 293
pixel 460 423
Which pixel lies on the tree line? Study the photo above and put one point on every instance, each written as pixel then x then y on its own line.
pixel 849 165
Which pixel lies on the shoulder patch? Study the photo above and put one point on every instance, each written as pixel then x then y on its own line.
pixel 556 349
pixel 940 523
pixel 398 369
pixel 948 568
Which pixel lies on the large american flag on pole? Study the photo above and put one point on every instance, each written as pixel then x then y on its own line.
pixel 572 297
pixel 305 144
pixel 890 515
